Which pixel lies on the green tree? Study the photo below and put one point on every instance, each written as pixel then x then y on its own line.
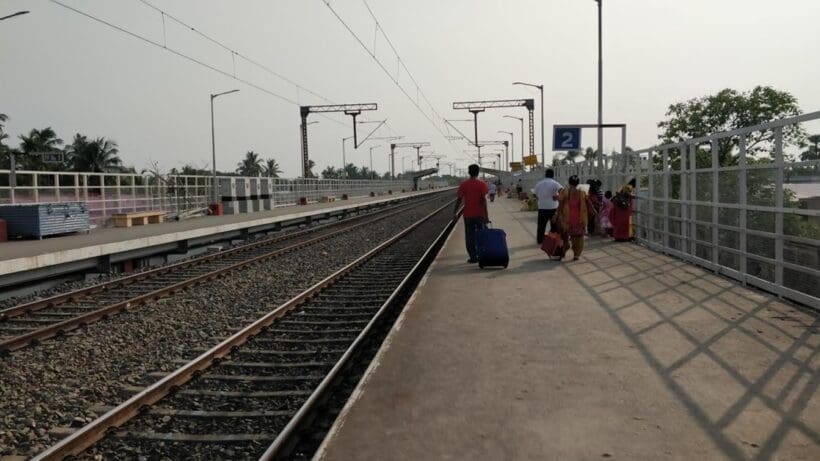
pixel 311 165
pixel 99 155
pixel 4 149
pixel 350 171
pixel 729 110
pixel 813 152
pixel 330 173
pixel 251 165
pixel 37 142
pixel 272 169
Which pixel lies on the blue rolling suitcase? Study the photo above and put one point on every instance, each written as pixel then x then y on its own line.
pixel 492 248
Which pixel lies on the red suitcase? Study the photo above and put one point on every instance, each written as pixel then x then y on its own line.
pixel 553 245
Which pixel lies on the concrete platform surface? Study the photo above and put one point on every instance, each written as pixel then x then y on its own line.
pixel 23 255
pixel 626 354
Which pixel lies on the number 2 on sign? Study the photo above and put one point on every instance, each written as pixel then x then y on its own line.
pixel 567 142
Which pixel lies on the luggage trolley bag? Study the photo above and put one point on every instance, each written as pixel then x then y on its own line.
pixel 553 245
pixel 492 248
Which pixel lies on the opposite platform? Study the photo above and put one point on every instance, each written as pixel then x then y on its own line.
pixel 38 256
pixel 625 354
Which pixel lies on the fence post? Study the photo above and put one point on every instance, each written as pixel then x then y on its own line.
pixel 715 147
pixel 742 202
pixel 666 184
pixel 778 203
pixel 36 187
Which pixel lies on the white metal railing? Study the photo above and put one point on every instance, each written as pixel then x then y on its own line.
pixel 109 193
pixel 737 216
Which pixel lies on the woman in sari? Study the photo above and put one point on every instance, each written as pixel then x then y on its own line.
pixel 621 216
pixel 573 217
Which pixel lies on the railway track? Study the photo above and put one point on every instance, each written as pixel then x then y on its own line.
pixel 251 395
pixel 29 323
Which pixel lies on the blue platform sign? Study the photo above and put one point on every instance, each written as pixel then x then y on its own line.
pixel 566 138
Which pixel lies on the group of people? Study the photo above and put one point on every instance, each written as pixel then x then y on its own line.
pixel 570 211
pixel 574 213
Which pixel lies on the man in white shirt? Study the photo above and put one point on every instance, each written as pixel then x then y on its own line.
pixel 547 193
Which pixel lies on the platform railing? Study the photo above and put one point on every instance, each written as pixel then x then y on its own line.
pixel 736 202
pixel 109 193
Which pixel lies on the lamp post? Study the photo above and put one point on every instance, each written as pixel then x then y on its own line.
pixel 541 89
pixel 600 91
pixel 19 13
pixel 520 119
pixel 214 186
pixel 344 156
pixel 512 145
pixel 371 159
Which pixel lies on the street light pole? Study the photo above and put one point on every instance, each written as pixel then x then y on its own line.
pixel 214 184
pixel 344 156
pixel 520 119
pixel 600 91
pixel 541 89
pixel 512 145
pixel 371 159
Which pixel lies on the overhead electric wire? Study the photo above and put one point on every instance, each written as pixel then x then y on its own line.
pixel 234 52
pixel 183 55
pixel 372 54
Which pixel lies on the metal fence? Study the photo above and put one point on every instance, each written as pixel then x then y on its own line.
pixel 109 193
pixel 734 202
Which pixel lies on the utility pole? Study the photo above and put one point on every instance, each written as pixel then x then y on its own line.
pixel 344 156
pixel 511 146
pixel 214 184
pixel 600 90
pixel 371 158
pixel 520 119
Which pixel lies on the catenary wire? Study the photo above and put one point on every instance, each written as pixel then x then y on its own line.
pixel 183 55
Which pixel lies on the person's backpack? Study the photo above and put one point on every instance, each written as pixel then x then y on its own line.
pixel 622 200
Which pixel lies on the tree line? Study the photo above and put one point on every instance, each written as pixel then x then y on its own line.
pixel 100 155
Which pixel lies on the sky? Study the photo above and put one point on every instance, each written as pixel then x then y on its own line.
pixel 64 70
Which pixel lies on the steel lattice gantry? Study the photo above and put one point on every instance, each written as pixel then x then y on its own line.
pixel 415 145
pixel 479 106
pixel 349 109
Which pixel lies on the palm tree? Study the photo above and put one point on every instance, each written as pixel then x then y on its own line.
pixel 44 140
pixel 251 165
pixel 309 173
pixel 37 142
pixel 97 156
pixel 272 168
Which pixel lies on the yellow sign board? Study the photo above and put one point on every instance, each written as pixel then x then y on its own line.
pixel 531 160
pixel 515 166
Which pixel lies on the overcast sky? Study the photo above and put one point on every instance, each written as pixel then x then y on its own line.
pixel 63 70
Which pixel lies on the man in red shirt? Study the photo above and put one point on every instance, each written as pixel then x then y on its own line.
pixel 473 193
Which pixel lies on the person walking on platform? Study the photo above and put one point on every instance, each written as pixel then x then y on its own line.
pixel 473 194
pixel 547 193
pixel 493 190
pixel 573 217
pixel 621 215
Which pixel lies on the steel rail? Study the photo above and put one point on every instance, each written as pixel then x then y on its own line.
pixel 94 431
pixel 54 300
pixel 284 439
pixel 18 342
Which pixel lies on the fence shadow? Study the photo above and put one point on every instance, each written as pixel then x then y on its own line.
pixel 698 331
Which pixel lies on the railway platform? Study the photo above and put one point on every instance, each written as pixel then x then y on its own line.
pixel 625 354
pixel 30 260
